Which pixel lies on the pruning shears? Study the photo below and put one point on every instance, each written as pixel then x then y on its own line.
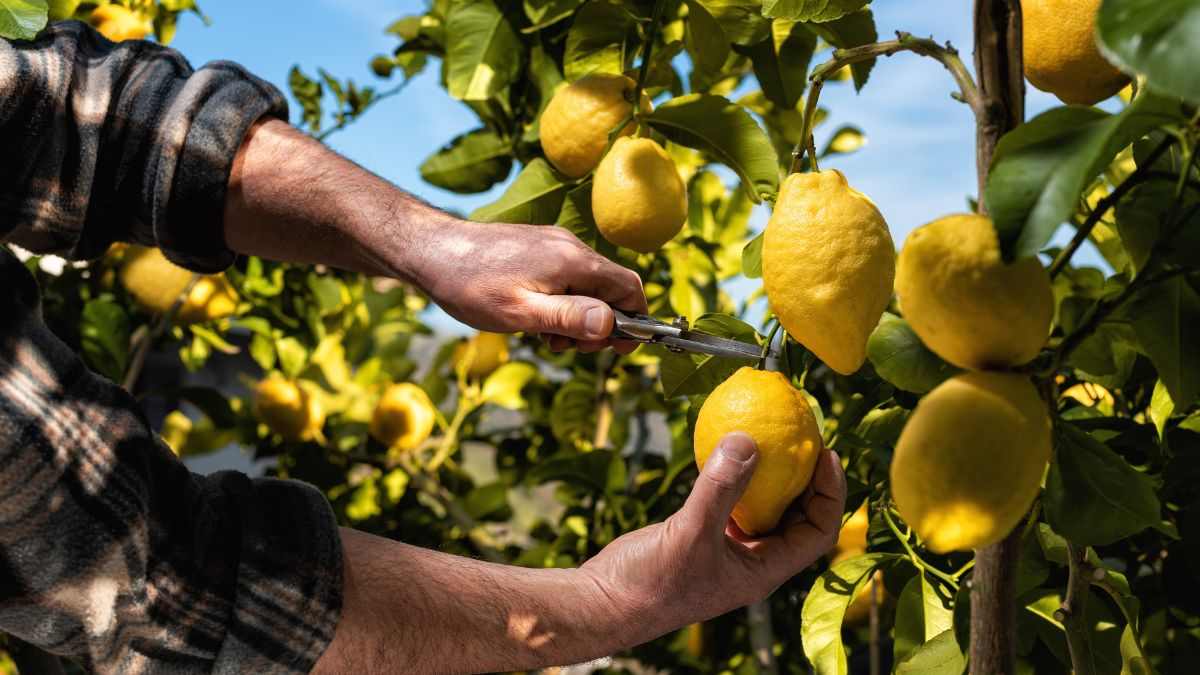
pixel 678 336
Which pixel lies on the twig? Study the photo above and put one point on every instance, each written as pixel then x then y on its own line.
pixel 647 50
pixel 1102 207
pixel 917 560
pixel 766 348
pixel 1071 612
pixel 762 636
pixel 604 411
pixel 346 121
pixel 142 348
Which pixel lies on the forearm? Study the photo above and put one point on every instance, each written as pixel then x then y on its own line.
pixel 291 198
pixel 408 609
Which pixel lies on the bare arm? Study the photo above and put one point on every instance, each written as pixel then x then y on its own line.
pixel 291 198
pixel 407 609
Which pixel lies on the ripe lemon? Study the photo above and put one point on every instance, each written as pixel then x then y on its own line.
pixel 155 283
pixel 575 125
pixel 970 460
pixel 638 199
pixel 776 415
pixel 403 418
pixel 965 303
pixel 1061 56
pixel 828 265
pixel 288 410
pixel 482 354
pixel 118 23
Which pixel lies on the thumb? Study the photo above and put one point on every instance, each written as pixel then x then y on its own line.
pixel 722 481
pixel 575 316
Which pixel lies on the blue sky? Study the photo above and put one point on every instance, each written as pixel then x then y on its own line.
pixel 918 165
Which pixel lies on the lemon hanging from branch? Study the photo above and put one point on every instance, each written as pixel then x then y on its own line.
pixel 289 410
pixel 1061 56
pixel 404 417
pixel 579 118
pixel 638 199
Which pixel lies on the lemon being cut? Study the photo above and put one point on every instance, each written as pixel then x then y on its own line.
pixel 638 199
pixel 777 416
pixel 404 417
pixel 970 460
pixel 575 126
pixel 1061 56
pixel 965 302
pixel 828 266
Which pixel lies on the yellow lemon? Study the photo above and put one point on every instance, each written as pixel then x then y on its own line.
pixel 118 23
pixel 970 460
pixel 776 415
pixel 1061 56
pixel 575 125
pixel 403 418
pixel 288 410
pixel 965 303
pixel 482 354
pixel 638 199
pixel 156 283
pixel 852 539
pixel 828 265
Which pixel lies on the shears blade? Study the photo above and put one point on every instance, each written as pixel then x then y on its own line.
pixel 678 336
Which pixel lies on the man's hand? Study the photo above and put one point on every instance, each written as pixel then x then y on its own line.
pixel 534 279
pixel 698 564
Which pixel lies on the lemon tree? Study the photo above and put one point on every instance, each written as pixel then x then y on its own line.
pixel 1020 431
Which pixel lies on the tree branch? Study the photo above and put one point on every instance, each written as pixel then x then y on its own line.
pixel 1071 612
pixel 762 637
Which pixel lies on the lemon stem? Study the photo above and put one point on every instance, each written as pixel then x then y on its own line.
pixel 806 129
pixel 766 348
pixel 917 560
pixel 647 50
pixel 466 405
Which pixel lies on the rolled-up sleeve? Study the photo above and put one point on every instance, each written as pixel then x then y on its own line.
pixel 107 142
pixel 111 550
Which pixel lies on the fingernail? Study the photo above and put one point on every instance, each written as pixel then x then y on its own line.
pixel 594 322
pixel 738 446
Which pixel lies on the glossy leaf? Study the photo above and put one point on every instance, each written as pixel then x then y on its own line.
pixel 825 607
pixel 472 162
pixel 483 52
pixel 939 656
pixel 922 614
pixel 597 41
pixel 1041 167
pixel 1156 39
pixel 781 62
pixel 535 197
pixel 1093 496
pixel 1166 318
pixel 852 30
pixel 752 258
pixel 728 133
pixel 901 358
pixel 811 10
pixel 742 20
pixel 705 39
pixel 503 387
pixel 22 19
pixel 104 335
pixel 544 13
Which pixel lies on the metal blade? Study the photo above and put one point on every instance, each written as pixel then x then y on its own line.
pixel 703 343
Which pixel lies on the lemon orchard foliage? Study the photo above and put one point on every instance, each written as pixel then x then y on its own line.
pixel 544 459
pixel 965 302
pixel 1061 52
pixel 970 460
pixel 766 406
pixel 828 266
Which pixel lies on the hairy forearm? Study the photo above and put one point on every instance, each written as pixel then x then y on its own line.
pixel 290 198
pixel 408 609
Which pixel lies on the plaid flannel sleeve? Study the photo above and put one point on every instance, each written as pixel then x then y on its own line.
pixel 111 551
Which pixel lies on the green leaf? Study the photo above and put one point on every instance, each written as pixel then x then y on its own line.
pixel 690 375
pixel 1041 167
pixel 726 131
pixel 22 19
pixel 811 10
pixel 483 53
pixel 503 387
pixel 1143 215
pixel 852 30
pixel 486 501
pixel 882 426
pixel 1093 496
pixel 723 325
pixel 825 607
pixel 902 359
pixel 781 62
pixel 742 20
pixel 544 13
pixel 292 355
pixel 262 350
pixel 752 258
pixel 1166 318
pixel 472 162
pixel 104 336
pixel 535 197
pixel 596 42
pixel 573 412
pixel 705 39
pixel 939 656
pixel 1161 407
pixel 1154 38
pixel 364 501
pixel 845 140
pixel 922 613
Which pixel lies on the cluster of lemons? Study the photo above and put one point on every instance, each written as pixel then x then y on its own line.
pixel 639 200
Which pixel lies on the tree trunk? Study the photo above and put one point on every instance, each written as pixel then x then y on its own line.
pixel 1000 71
